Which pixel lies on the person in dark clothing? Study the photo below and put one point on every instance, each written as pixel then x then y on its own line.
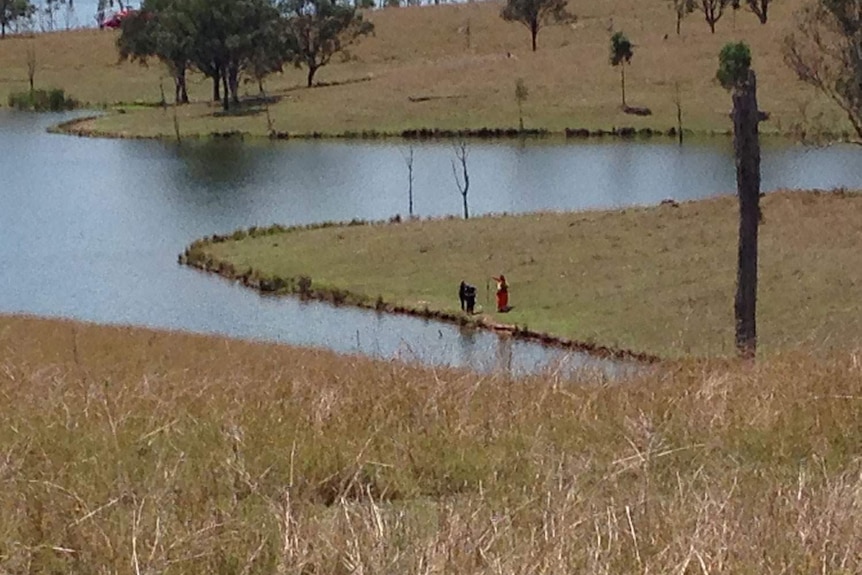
pixel 462 295
pixel 467 295
pixel 470 298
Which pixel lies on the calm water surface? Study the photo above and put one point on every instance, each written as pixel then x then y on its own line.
pixel 90 229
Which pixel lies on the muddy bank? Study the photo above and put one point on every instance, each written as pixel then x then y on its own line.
pixel 80 127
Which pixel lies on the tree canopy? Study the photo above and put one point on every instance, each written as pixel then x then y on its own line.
pixel 825 51
pixel 12 11
pixel 622 51
pixel 535 14
pixel 320 29
pixel 734 63
pixel 225 39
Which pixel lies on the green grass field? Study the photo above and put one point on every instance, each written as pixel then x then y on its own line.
pixel 133 451
pixel 421 52
pixel 659 280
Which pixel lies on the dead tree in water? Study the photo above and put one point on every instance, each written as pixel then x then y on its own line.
pixel 463 184
pixel 408 159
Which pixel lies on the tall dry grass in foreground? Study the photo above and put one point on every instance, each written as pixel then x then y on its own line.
pixel 134 451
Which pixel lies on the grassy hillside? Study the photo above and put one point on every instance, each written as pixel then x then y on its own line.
pixel 127 450
pixel 658 280
pixel 422 52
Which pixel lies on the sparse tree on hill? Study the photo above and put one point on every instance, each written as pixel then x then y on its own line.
pixel 825 51
pixel 12 12
pixel 621 54
pixel 681 8
pixel 760 9
pixel 712 10
pixel 320 29
pixel 462 181
pixel 535 14
pixel 31 66
pixel 521 94
pixel 736 75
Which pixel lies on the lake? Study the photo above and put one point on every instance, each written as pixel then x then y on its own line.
pixel 90 229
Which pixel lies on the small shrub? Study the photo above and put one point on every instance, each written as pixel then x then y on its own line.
pixel 53 100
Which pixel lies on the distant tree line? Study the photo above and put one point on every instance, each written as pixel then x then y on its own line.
pixel 227 39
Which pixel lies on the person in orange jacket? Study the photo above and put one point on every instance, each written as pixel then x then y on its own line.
pixel 502 294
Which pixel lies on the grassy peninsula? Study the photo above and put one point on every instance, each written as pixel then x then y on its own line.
pixel 129 450
pixel 421 70
pixel 658 280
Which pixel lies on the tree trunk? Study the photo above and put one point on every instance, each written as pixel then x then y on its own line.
pixel 181 95
pixel 3 30
pixel 216 80
pixel 225 92
pixel 746 143
pixel 623 81
pixel 311 70
pixel 678 22
pixel 534 31
pixel 466 209
pixel 760 9
pixel 233 81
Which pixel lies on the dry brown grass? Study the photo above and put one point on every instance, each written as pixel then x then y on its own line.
pixel 421 51
pixel 659 280
pixel 133 451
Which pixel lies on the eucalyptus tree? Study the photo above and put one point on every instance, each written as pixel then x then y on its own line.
pixel 681 8
pixel 221 38
pixel 760 8
pixel 319 29
pixel 162 29
pixel 622 51
pixel 242 36
pixel 825 50
pixel 712 10
pixel 13 12
pixel 535 14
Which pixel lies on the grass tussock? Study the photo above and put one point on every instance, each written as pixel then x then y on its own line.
pixel 136 451
pixel 657 280
pixel 418 72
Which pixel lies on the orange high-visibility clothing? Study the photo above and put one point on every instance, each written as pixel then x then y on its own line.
pixel 502 293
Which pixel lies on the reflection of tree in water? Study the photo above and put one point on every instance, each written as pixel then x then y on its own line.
pixel 220 162
pixel 467 346
pixel 217 184
pixel 505 349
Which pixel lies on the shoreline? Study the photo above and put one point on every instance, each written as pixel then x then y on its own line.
pixel 74 127
pixel 303 286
